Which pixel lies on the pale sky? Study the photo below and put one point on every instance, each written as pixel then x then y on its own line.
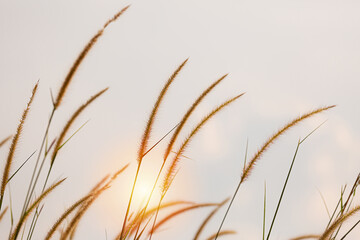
pixel 289 57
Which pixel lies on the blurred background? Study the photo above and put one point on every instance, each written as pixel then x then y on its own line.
pixel 289 57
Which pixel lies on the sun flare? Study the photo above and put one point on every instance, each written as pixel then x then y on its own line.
pixel 142 191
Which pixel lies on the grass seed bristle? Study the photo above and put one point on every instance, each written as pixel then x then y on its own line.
pixel 82 56
pixel 148 129
pixel 14 144
pixel 272 139
pixel 172 169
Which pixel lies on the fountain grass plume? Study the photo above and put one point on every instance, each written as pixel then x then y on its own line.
pixel 146 135
pixel 265 146
pixel 172 169
pixel 14 143
pixel 247 170
pixel 81 57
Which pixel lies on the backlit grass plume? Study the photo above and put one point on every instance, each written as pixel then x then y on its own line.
pixel 177 131
pixel 274 137
pixel 171 172
pixel 172 169
pixel 146 136
pixel 139 223
pixel 150 122
pixel 57 102
pixel 59 143
pixel 14 143
pixel 82 56
pixel 247 170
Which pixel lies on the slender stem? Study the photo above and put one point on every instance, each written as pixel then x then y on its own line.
pixel 263 237
pixel 36 216
pixel 137 172
pixel 129 204
pixel 283 191
pixel 149 198
pixel 337 205
pixel 11 212
pixel 160 139
pixel 350 230
pixel 347 204
pixel 227 210
pixel 29 192
pixel 32 225
pixel 156 214
pixel 20 167
pixel 157 178
pixel 1 201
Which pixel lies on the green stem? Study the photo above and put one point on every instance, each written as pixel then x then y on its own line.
pixel 129 204
pixel 227 210
pixel 283 190
pixel 149 198
pixel 29 191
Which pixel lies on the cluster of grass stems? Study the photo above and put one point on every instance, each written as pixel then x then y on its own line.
pixel 143 222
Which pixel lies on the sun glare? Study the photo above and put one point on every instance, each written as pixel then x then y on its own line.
pixel 142 191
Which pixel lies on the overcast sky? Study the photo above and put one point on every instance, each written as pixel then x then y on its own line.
pixel 289 57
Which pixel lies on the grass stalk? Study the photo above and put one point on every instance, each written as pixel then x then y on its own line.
pixel 146 136
pixel 13 146
pixel 59 143
pixel 179 128
pixel 287 178
pixel 61 94
pixel 283 190
pixel 264 214
pixel 264 148
pixel 17 170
